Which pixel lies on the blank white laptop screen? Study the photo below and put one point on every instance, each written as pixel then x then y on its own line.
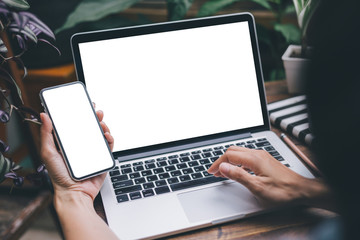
pixel 164 87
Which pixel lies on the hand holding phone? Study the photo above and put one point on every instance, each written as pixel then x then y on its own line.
pixel 77 130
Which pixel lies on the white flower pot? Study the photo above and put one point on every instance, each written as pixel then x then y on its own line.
pixel 295 69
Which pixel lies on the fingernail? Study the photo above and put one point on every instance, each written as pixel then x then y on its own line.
pixel 211 172
pixel 225 168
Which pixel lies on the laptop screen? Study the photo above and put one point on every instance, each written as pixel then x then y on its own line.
pixel 174 85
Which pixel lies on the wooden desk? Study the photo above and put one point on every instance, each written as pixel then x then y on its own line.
pixel 287 223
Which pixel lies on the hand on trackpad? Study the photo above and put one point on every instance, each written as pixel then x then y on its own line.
pixel 218 202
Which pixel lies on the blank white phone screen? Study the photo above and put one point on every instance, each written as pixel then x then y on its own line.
pixel 78 130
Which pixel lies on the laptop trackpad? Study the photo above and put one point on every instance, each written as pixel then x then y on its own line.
pixel 214 203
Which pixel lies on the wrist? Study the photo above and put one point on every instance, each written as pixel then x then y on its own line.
pixel 316 193
pixel 69 199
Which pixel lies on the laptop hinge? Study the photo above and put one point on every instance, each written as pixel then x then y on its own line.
pixel 183 147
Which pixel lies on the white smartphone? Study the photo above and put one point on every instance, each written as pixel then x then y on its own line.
pixel 77 130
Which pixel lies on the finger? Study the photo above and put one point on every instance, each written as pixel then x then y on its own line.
pixel 46 135
pixel 224 158
pixel 110 140
pixel 247 159
pixel 100 115
pixel 237 174
pixel 215 166
pixel 104 127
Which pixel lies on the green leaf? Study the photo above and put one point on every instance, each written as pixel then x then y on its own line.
pixel 213 6
pixel 308 12
pixel 19 4
pixel 90 10
pixel 290 32
pixel 4 167
pixel 177 9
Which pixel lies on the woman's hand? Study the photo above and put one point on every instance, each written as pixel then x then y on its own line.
pixel 273 183
pixel 55 164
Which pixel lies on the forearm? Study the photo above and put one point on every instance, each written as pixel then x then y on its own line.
pixel 79 219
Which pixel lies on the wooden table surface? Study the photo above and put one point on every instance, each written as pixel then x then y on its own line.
pixel 287 223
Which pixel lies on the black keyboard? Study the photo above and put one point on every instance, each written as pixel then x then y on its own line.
pixel 175 172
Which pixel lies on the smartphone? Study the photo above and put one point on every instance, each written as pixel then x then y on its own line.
pixel 77 130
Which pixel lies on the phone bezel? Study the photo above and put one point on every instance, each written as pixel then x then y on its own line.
pixel 55 132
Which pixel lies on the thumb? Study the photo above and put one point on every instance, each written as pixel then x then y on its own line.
pixel 46 130
pixel 236 173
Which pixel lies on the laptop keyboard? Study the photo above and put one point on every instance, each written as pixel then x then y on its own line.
pixel 174 172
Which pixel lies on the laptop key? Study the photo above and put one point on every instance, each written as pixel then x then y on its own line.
pixel 218 148
pixel 181 165
pixel 184 154
pixel 269 148
pixel 262 144
pixel 274 153
pixel 175 173
pixel 135 195
pixel 122 198
pixel 139 180
pixel 137 164
pixel 240 144
pixel 184 178
pixel 170 168
pixel 207 150
pixel 152 178
pixel 160 183
pixel 195 157
pixel 173 161
pixel 173 156
pixel 134 175
pixel 184 159
pixel 150 161
pixel 158 170
pixel 187 171
pixel 195 183
pixel 164 175
pixel 206 174
pixel 123 184
pixel 217 153
pixel 125 166
pixel 199 168
pixel 161 190
pixel 196 175
pixel 126 170
pixel 279 158
pixel 148 185
pixel 161 164
pixel 161 159
pixel 128 189
pixel 119 178
pixel 138 168
pixel 204 161
pixel 251 146
pixel 208 166
pixel 286 164
pixel 193 163
pixel 206 155
pixel 213 159
pixel 114 173
pixel 148 193
pixel 173 180
pixel 261 139
pixel 150 166
pixel 146 173
pixel 196 152
pixel 251 141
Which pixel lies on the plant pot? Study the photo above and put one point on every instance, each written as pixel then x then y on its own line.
pixel 296 69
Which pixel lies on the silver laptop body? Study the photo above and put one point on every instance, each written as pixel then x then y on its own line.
pixel 176 96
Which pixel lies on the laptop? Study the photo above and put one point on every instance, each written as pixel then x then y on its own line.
pixel 175 96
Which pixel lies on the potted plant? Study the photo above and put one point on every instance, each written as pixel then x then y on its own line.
pixel 20 30
pixel 296 58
